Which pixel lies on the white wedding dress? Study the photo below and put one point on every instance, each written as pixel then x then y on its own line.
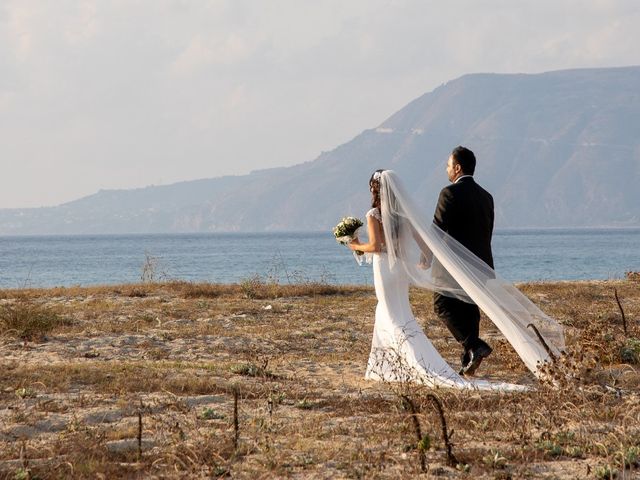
pixel 400 350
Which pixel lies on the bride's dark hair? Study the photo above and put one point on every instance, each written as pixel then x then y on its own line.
pixel 374 186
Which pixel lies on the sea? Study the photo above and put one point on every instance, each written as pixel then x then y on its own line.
pixel 83 260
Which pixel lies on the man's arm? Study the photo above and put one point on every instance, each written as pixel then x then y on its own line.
pixel 493 215
pixel 444 209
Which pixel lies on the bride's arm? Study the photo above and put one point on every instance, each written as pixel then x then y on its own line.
pixel 376 238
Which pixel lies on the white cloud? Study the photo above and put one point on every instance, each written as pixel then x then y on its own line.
pixel 202 52
pixel 121 94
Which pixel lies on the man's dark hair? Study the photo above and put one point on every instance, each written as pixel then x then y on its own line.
pixel 465 158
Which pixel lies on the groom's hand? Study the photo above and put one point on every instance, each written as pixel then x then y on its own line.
pixel 424 263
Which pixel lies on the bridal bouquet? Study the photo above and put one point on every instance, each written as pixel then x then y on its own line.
pixel 346 231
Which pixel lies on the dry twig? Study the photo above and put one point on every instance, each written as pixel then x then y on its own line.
pixel 451 459
pixel 624 318
pixel 236 426
pixel 409 405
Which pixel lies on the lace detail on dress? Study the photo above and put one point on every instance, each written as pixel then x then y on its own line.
pixel 375 213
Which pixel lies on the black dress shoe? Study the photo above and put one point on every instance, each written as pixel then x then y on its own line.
pixel 483 349
pixel 465 358
pixel 476 357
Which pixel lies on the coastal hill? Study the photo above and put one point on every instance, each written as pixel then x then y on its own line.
pixel 557 149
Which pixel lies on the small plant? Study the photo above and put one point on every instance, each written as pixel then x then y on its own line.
pixel 630 351
pixel 252 286
pixel 252 370
pixel 550 447
pixel 494 460
pixel 559 444
pixel 277 398
pixel 25 393
pixel 221 472
pixel 606 472
pixel 574 452
pixel 29 321
pixel 629 456
pixel 152 269
pixel 248 369
pixel 632 456
pixel 633 276
pixel 425 443
pixel 305 404
pixel 211 414
pixel 22 474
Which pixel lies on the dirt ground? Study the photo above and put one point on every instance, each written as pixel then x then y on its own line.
pixel 143 381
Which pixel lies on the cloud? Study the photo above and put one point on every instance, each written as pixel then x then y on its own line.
pixel 127 93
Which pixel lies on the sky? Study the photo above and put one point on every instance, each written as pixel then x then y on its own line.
pixel 118 94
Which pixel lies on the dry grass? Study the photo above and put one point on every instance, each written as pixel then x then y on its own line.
pixel 29 321
pixel 80 364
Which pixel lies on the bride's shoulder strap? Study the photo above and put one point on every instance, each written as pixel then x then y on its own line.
pixel 375 213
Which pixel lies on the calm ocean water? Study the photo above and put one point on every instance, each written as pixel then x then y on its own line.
pixel 45 261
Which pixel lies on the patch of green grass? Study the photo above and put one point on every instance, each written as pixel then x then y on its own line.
pixel 251 370
pixel 210 414
pixel 424 443
pixel 629 456
pixel 630 351
pixel 606 472
pixel 305 404
pixel 495 460
pixel 550 447
pixel 25 393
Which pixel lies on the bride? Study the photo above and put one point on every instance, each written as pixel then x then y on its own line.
pixel 407 249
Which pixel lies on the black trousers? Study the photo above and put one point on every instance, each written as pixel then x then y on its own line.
pixel 461 318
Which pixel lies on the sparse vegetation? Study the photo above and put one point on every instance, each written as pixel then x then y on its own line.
pixel 210 414
pixel 630 351
pixel 184 350
pixel 152 269
pixel 28 320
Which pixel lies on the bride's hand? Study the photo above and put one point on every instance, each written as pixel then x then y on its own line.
pixel 354 243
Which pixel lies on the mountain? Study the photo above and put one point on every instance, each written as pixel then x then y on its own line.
pixel 557 149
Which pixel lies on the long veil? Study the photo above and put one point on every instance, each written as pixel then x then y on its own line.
pixel 434 260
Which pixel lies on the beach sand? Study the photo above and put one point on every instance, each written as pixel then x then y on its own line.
pixel 82 368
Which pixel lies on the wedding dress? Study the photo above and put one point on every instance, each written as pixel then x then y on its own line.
pixel 400 349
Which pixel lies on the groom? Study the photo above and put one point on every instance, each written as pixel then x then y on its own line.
pixel 465 211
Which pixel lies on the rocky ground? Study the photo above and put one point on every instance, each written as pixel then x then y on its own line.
pixel 144 381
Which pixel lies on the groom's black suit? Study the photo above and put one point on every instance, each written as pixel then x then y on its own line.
pixel 465 211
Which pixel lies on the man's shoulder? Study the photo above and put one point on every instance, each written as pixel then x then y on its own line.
pixel 484 191
pixel 446 189
pixel 467 185
pixel 454 189
pixel 447 195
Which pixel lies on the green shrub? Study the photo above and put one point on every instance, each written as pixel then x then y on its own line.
pixel 606 472
pixel 630 351
pixel 210 414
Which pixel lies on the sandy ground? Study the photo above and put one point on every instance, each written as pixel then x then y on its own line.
pixel 172 356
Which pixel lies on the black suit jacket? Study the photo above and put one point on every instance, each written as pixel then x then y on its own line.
pixel 465 211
